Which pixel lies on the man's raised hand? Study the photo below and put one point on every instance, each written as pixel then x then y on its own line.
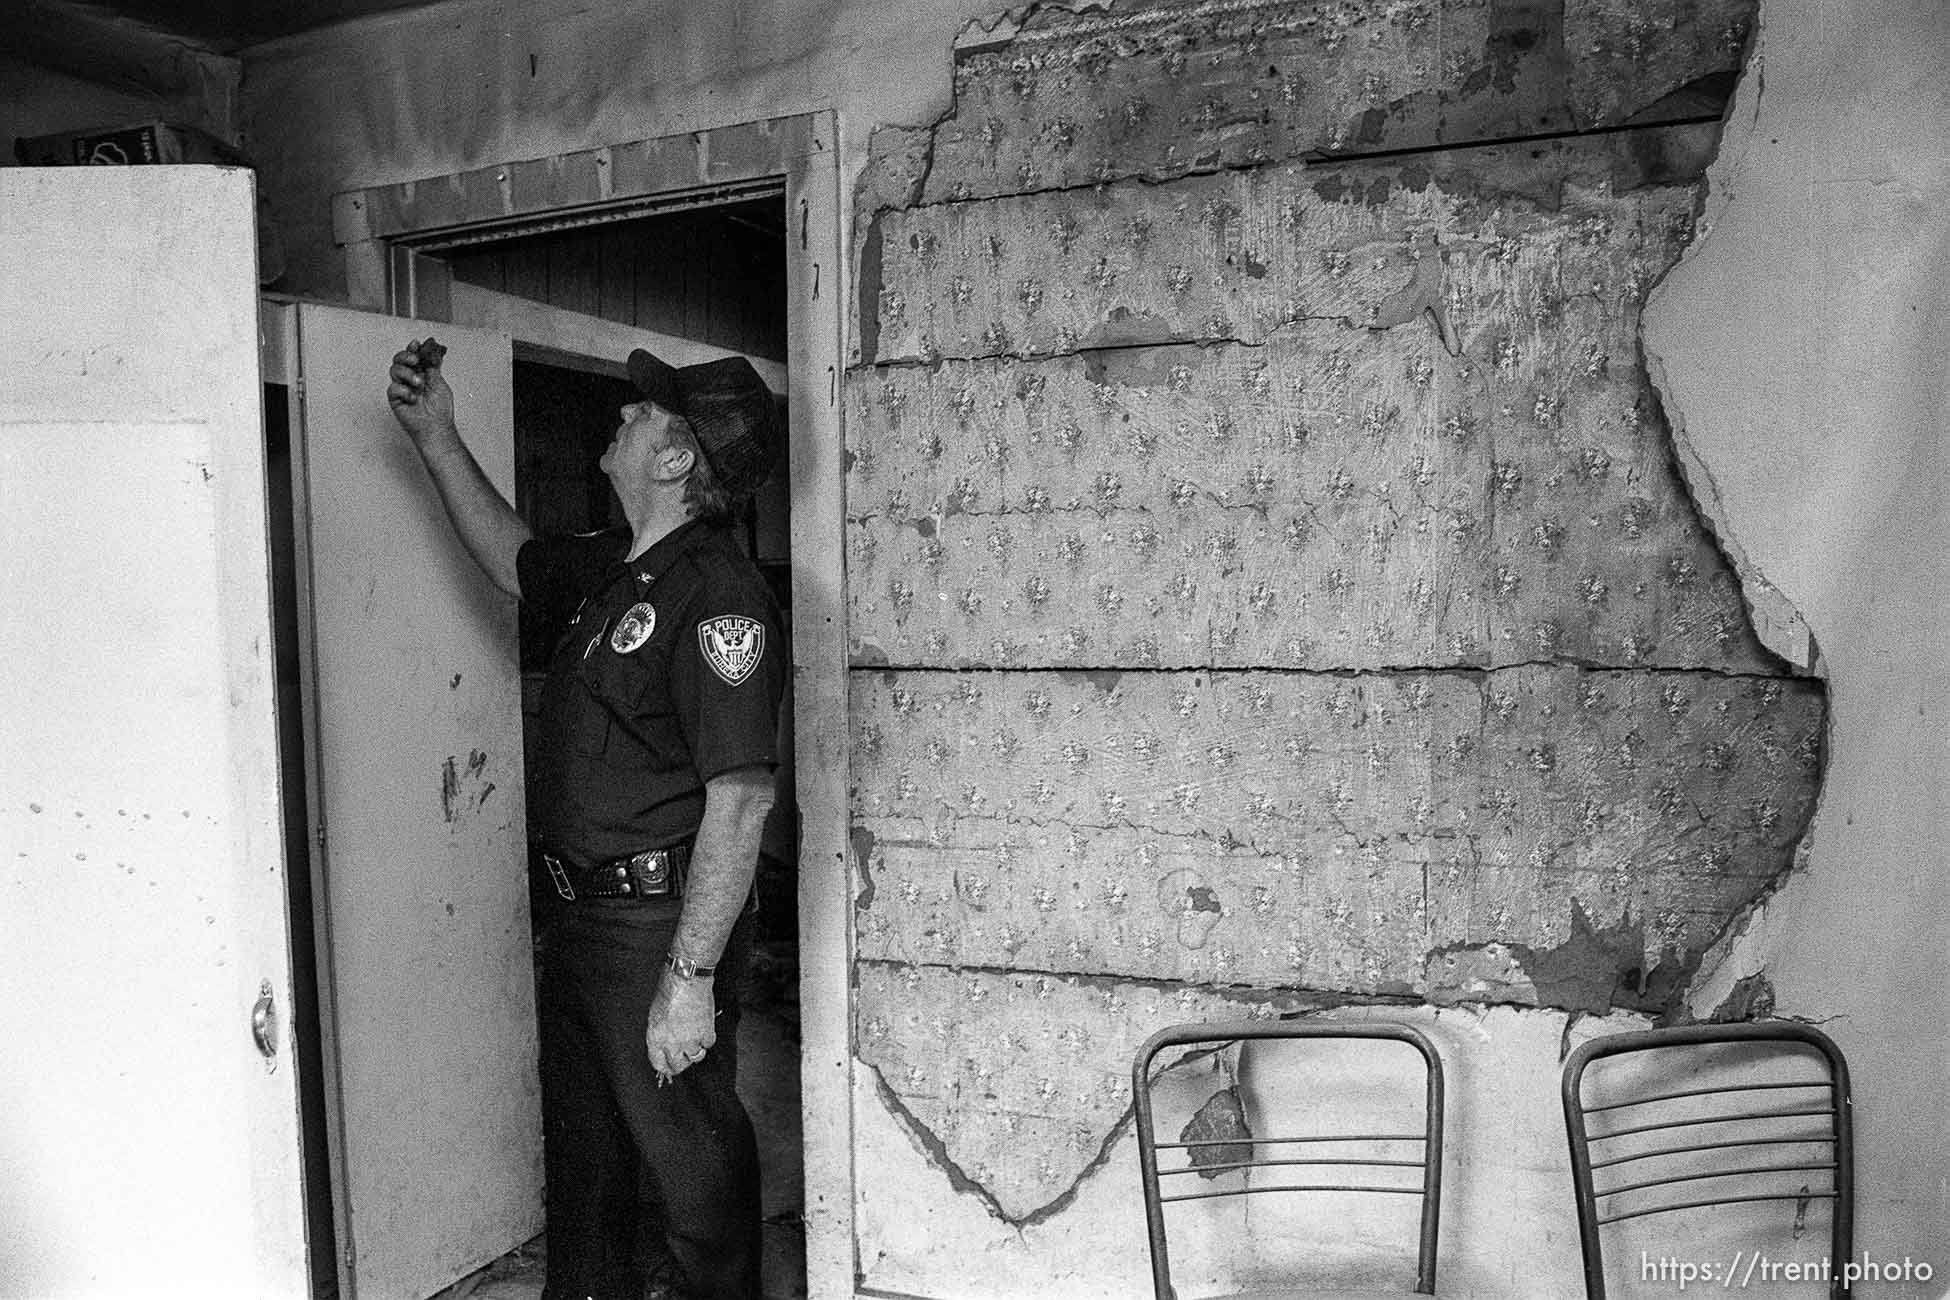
pixel 421 400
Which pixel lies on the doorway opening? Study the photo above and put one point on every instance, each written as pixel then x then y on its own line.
pixel 393 233
pixel 710 277
pixel 715 276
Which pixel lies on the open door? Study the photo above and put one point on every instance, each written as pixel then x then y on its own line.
pixel 148 1108
pixel 414 721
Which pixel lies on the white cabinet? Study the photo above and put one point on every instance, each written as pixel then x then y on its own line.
pixel 153 1137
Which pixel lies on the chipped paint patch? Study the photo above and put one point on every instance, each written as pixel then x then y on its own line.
pixel 1752 998
pixel 1221 1120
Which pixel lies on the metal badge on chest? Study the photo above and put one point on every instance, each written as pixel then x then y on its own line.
pixel 634 628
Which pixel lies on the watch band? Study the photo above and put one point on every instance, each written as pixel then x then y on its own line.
pixel 685 968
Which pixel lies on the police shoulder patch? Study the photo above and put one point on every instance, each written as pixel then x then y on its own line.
pixel 732 644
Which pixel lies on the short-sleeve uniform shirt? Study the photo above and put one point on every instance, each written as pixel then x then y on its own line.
pixel 667 671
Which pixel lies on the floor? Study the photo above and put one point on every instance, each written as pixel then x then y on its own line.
pixel 768 1080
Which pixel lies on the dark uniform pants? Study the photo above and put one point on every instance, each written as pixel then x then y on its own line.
pixel 615 1140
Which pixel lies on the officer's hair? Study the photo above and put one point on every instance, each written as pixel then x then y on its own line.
pixel 704 496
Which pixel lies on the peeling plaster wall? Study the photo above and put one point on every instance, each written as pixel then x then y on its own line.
pixel 1271 571
pixel 1272 585
pixel 1802 345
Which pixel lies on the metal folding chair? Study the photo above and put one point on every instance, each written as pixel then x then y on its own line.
pixel 1679 1148
pixel 1346 1162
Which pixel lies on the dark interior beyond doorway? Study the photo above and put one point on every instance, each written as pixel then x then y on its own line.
pixel 713 275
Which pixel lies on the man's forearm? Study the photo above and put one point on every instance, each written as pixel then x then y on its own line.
pixel 487 525
pixel 724 859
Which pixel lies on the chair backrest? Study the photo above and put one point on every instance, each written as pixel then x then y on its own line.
pixel 1333 1162
pixel 1657 1147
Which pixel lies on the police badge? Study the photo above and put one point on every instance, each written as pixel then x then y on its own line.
pixel 634 628
pixel 732 645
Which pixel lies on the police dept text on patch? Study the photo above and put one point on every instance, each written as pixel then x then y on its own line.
pixel 732 645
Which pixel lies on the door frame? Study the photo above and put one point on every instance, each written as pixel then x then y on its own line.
pixel 386 233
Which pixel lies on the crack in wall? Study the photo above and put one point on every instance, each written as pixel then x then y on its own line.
pixel 1228 842
pixel 1311 158
pixel 1247 994
pixel 937 1154
pixel 940 1158
pixel 864 369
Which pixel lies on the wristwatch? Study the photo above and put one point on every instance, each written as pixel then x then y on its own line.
pixel 685 968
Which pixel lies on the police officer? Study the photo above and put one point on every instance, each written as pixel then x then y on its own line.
pixel 656 752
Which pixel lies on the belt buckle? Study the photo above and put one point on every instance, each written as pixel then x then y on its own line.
pixel 651 872
pixel 561 877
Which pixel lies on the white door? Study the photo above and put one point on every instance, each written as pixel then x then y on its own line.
pixel 414 720
pixel 148 1147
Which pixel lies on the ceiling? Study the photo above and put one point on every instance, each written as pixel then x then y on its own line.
pixel 229 25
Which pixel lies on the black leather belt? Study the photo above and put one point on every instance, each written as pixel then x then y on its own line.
pixel 653 873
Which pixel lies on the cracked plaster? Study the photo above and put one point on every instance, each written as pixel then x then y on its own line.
pixel 1505 270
